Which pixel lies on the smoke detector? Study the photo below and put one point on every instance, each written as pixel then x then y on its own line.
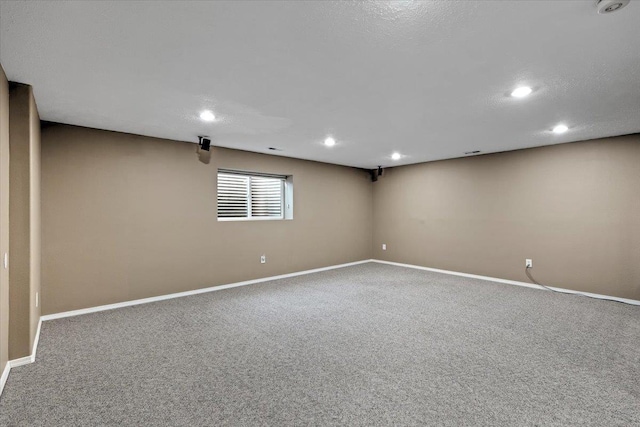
pixel 608 6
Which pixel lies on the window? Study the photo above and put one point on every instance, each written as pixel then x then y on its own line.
pixel 253 196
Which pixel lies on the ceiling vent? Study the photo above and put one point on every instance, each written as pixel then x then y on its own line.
pixel 608 6
pixel 472 152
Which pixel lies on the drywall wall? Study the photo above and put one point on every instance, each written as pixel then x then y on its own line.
pixel 573 208
pixel 24 224
pixel 127 217
pixel 4 218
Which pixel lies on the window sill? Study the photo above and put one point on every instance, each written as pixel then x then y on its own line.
pixel 251 219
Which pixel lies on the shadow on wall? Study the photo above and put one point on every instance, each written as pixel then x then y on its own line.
pixel 204 156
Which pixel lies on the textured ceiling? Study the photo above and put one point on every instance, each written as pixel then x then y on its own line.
pixel 428 79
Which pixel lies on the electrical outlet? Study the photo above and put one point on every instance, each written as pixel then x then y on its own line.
pixel 384 246
pixel 528 263
pixel 6 260
pixel 37 299
pixel 263 259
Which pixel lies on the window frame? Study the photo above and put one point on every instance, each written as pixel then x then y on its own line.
pixel 286 196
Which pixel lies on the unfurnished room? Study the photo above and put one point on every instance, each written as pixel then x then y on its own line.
pixel 314 213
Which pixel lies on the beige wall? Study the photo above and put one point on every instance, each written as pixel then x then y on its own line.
pixel 24 228
pixel 4 218
pixel 573 208
pixel 128 217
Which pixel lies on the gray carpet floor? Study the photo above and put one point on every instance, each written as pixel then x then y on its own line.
pixel 365 345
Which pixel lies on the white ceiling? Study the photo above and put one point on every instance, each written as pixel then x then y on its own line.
pixel 428 79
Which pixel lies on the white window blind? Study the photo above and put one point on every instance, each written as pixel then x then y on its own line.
pixel 233 196
pixel 244 195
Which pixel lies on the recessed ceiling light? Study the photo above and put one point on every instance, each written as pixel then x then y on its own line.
pixel 396 156
pixel 207 116
pixel 560 129
pixel 329 142
pixel 521 92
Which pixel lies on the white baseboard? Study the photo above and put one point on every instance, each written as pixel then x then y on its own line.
pixel 4 377
pixel 32 357
pixel 511 282
pixel 194 292
pixel 14 364
pixel 22 361
pixel 36 340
